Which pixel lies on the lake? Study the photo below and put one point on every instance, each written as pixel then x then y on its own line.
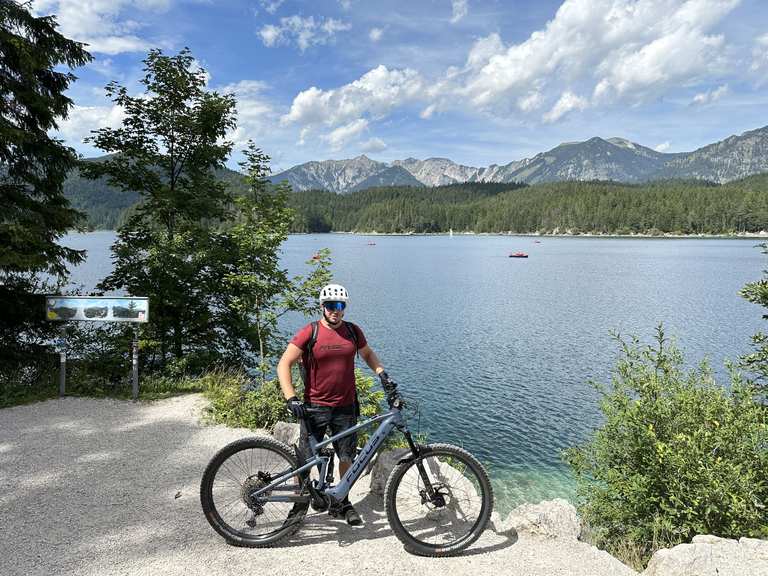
pixel 498 351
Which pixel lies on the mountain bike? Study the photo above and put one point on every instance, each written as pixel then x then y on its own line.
pixel 438 499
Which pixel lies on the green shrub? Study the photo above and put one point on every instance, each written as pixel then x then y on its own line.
pixel 36 380
pixel 677 456
pixel 232 404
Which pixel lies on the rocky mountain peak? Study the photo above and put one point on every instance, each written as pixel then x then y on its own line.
pixel 616 159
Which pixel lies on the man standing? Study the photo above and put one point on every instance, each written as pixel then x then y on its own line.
pixel 329 389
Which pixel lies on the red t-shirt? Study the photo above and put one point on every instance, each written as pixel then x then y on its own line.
pixel 331 374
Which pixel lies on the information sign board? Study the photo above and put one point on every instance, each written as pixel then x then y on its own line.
pixel 97 309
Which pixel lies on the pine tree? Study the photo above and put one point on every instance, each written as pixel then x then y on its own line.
pixel 34 214
pixel 255 291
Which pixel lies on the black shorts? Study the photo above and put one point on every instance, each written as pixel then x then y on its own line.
pixel 338 419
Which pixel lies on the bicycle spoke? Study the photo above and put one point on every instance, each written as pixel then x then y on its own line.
pixel 449 512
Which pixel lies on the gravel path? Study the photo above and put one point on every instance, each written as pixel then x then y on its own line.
pixel 101 487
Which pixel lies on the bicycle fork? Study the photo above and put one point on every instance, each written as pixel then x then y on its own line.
pixel 429 493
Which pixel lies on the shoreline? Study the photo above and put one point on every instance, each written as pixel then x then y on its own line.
pixel 762 235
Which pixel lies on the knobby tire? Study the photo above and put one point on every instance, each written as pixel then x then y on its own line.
pixel 469 501
pixel 231 465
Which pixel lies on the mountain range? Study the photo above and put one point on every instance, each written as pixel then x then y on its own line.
pixel 615 159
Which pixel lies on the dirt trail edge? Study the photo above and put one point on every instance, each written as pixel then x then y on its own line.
pixel 94 487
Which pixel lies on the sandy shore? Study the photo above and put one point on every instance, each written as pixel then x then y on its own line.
pixel 107 487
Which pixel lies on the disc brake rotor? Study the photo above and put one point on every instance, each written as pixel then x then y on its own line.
pixel 438 500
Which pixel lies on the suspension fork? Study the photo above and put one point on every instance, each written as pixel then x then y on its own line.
pixel 416 452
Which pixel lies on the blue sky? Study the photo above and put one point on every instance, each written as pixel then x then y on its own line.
pixel 479 82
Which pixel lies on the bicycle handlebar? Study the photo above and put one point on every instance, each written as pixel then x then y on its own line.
pixel 396 402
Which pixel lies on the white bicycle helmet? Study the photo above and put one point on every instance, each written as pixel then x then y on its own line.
pixel 334 293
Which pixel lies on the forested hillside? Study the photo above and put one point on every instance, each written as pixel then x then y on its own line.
pixel 672 206
pixel 105 206
pixel 686 207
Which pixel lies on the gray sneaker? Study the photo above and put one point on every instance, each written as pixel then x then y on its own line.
pixel 351 515
pixel 347 511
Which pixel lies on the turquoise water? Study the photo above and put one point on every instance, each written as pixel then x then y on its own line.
pixel 498 352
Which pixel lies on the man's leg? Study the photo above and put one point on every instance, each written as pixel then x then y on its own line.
pixel 345 418
pixel 313 425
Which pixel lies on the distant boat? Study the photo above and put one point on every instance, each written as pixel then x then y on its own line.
pixel 450 232
pixel 537 241
pixel 518 255
pixel 371 243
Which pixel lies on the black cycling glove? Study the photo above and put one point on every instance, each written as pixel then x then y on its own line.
pixel 390 387
pixel 386 382
pixel 296 407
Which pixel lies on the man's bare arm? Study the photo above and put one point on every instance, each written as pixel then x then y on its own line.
pixel 371 359
pixel 289 358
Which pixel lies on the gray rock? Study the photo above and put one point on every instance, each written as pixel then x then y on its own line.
pixel 286 432
pixel 497 523
pixel 551 518
pixel 711 556
pixel 382 467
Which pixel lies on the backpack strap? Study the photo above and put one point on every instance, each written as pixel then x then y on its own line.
pixel 352 329
pixel 312 340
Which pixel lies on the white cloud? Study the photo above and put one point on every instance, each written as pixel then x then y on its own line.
pixel 271 6
pixel 270 34
pixel 107 26
pixel 305 32
pixel 567 103
pixel 663 147
pixel 244 88
pixel 483 50
pixel 460 10
pixel 617 50
pixel 591 53
pixel 374 94
pixel 83 119
pixel 529 102
pixel 303 136
pixel 345 4
pixel 428 111
pixel 760 54
pixel 710 96
pixel 255 114
pixel 375 34
pixel 342 135
pixel 373 145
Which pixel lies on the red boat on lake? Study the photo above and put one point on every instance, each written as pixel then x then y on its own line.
pixel 518 255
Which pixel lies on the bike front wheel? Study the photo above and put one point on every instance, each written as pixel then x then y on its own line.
pixel 440 502
pixel 227 493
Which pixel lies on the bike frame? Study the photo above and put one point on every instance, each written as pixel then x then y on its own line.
pixel 389 421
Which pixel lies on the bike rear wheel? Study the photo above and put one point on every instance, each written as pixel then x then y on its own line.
pixel 231 477
pixel 446 513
